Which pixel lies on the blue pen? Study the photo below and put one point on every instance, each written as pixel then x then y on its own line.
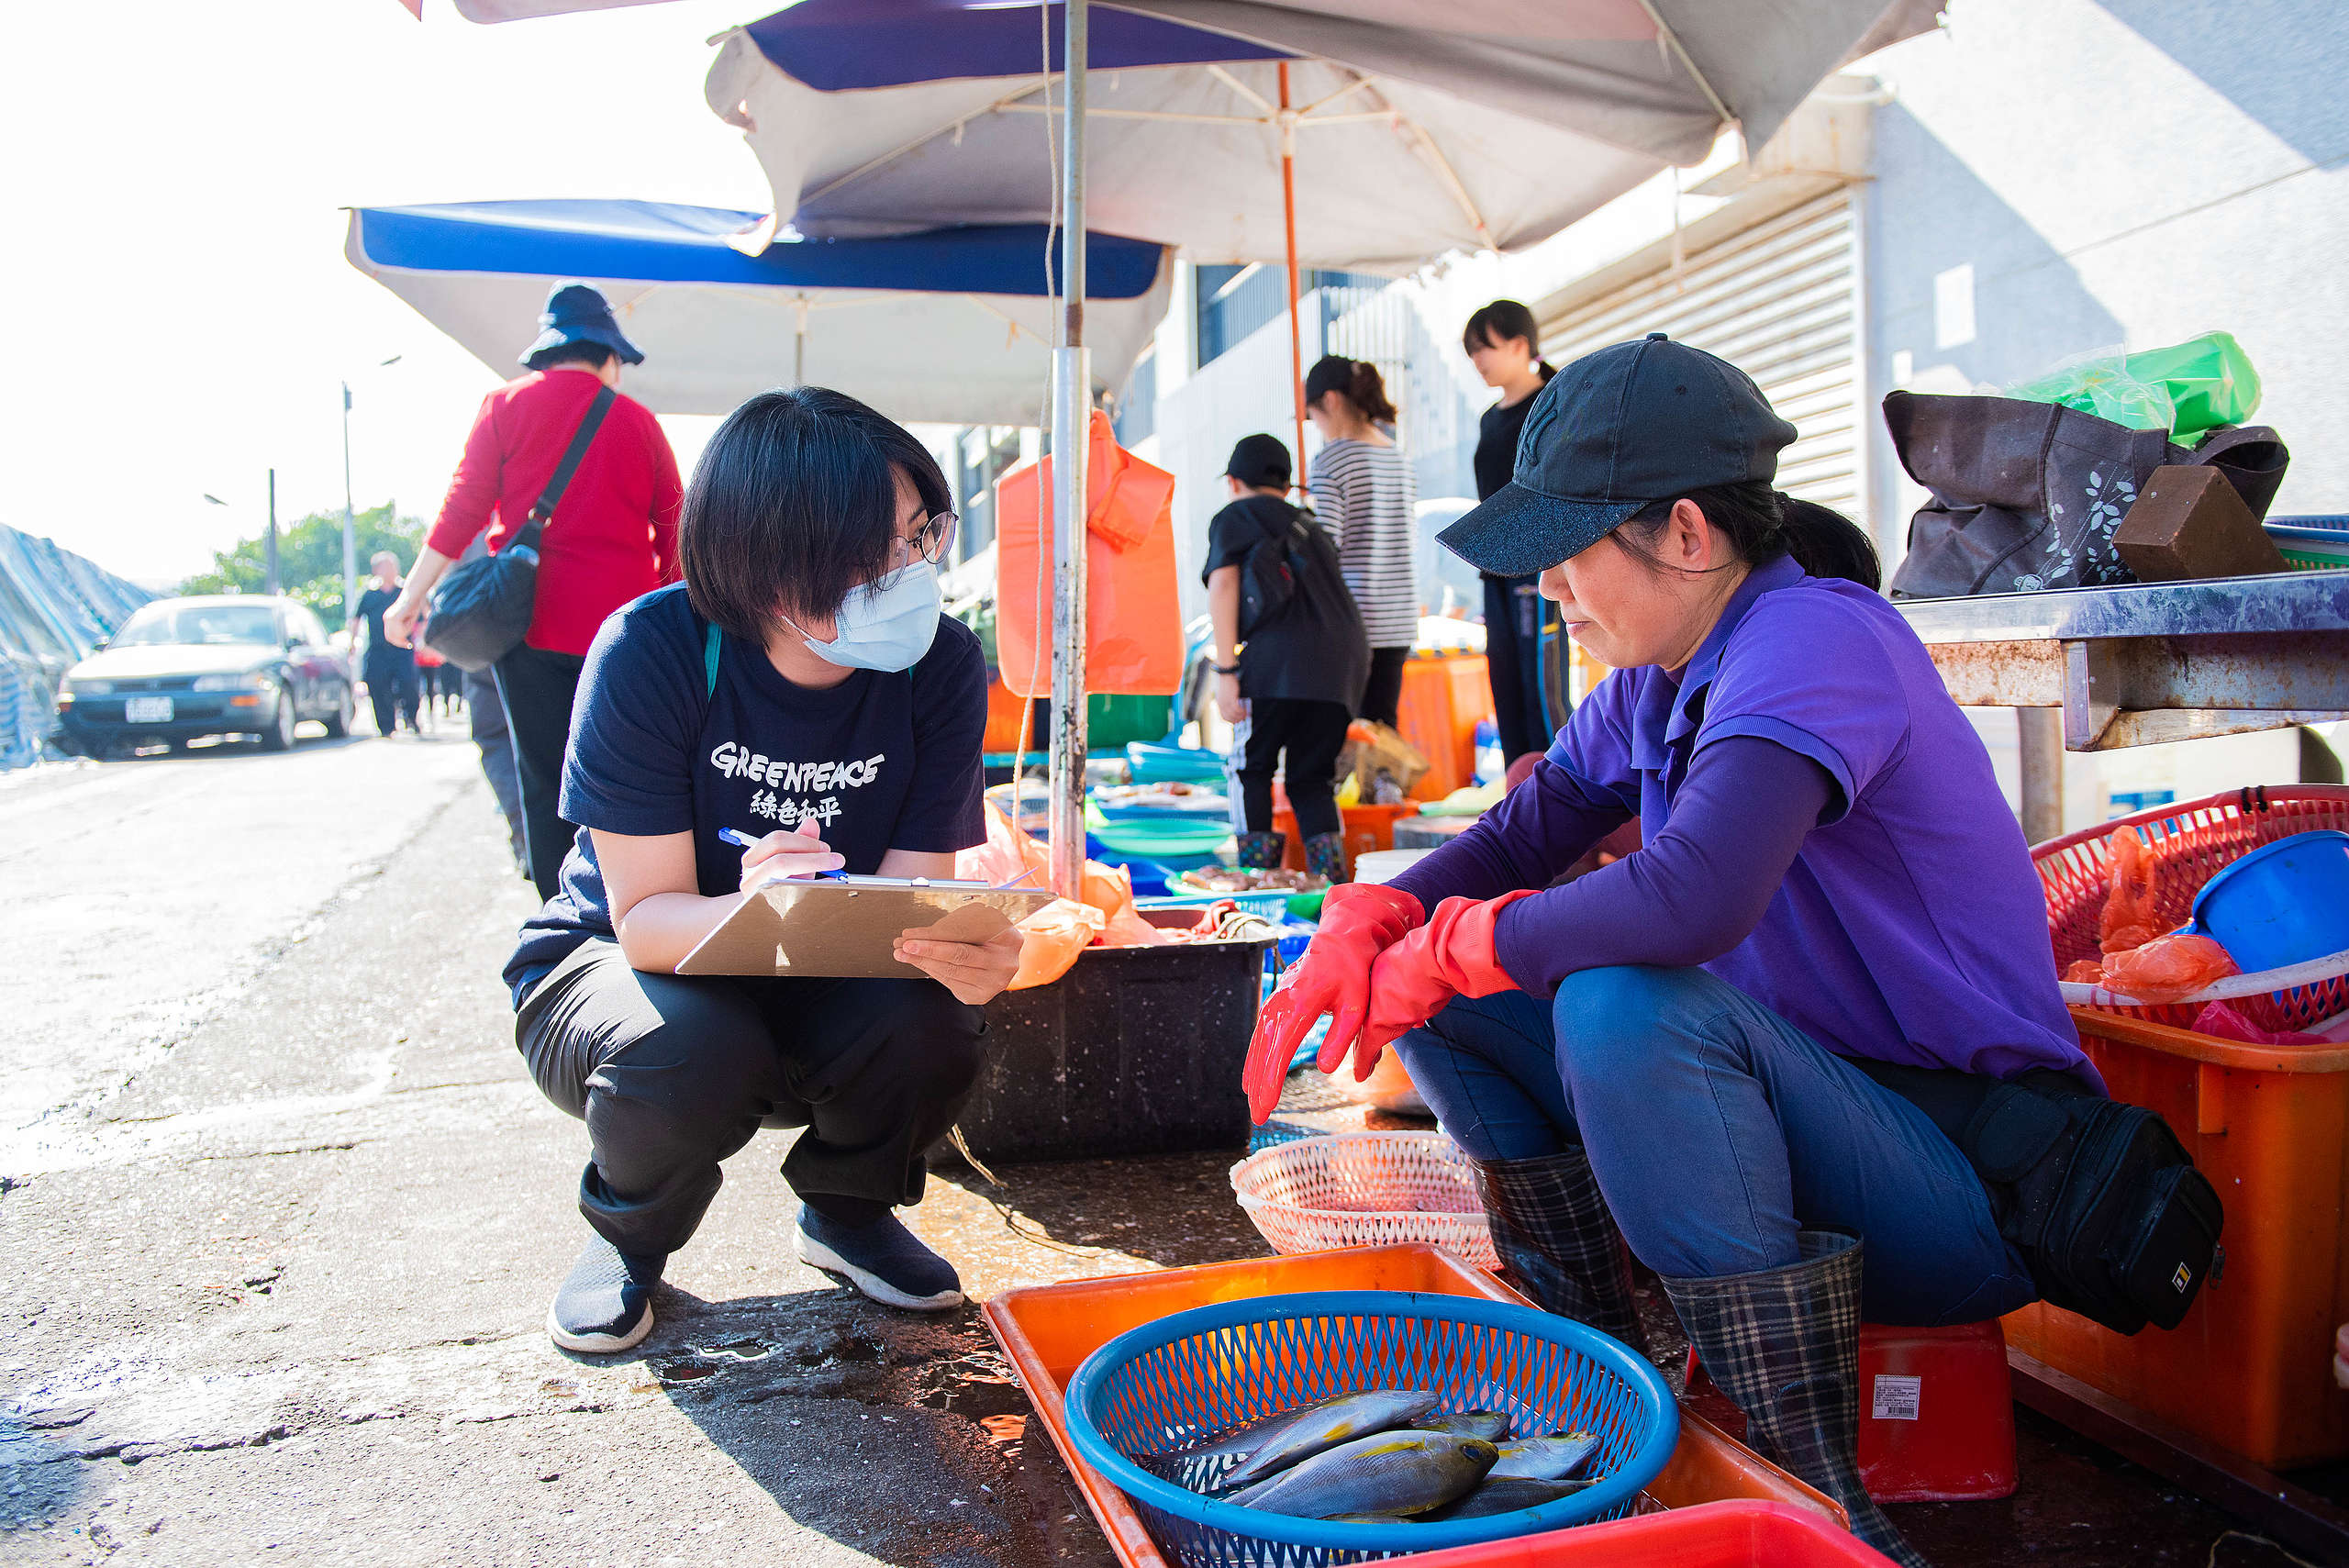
pixel 742 841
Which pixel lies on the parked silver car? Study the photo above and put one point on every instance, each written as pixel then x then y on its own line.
pixel 221 664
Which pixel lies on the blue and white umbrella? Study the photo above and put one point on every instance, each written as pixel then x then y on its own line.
pixel 950 327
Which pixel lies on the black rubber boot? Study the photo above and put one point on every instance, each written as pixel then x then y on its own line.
pixel 1263 851
pixel 1325 855
pixel 1555 1236
pixel 1783 1345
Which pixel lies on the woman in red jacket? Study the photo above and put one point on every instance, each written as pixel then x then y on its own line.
pixel 613 538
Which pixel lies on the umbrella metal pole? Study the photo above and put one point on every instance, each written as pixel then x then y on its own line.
pixel 1288 216
pixel 1071 399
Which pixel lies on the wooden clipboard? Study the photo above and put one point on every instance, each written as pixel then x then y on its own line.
pixel 843 927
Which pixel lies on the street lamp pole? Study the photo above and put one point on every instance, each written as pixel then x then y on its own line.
pixel 349 534
pixel 270 547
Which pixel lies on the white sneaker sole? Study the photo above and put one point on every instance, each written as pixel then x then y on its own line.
pixel 599 1344
pixel 816 1255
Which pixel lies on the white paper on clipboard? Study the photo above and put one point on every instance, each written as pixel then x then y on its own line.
pixel 843 927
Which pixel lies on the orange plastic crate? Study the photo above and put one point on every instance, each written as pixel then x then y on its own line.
pixel 1047 1331
pixel 2251 1367
pixel 1744 1534
pixel 1444 697
pixel 1363 828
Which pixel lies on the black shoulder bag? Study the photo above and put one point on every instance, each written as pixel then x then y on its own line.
pixel 482 608
pixel 2101 1198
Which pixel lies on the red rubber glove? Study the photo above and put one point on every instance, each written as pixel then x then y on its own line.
pixel 1358 921
pixel 1450 956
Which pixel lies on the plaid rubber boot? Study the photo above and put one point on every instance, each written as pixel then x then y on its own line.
pixel 1325 855
pixel 1261 851
pixel 1783 1345
pixel 1554 1232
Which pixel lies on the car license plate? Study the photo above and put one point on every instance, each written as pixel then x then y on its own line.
pixel 147 710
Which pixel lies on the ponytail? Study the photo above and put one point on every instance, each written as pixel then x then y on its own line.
pixel 1369 393
pixel 1762 524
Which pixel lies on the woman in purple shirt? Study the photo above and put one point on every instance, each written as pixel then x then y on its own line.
pixel 1676 1043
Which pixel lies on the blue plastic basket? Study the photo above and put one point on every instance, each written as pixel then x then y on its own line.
pixel 1273 906
pixel 1172 1381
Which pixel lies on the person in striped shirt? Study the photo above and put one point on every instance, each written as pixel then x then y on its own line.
pixel 1364 493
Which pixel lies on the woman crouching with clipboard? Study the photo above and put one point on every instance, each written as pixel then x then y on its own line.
pixel 802 684
pixel 1674 1050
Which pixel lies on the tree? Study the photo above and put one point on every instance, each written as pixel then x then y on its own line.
pixel 309 558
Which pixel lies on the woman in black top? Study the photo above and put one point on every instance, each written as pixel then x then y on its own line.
pixel 1501 342
pixel 1289 683
pixel 798 705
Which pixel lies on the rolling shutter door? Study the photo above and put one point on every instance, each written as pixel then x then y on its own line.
pixel 1778 300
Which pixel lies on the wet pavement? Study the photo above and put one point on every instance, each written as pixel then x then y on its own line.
pixel 280 1214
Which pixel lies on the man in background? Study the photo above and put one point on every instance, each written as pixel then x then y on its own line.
pixel 388 669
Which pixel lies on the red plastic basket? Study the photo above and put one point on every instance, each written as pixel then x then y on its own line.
pixel 2189 843
pixel 1711 1535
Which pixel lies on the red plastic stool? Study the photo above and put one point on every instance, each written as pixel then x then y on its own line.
pixel 1937 1414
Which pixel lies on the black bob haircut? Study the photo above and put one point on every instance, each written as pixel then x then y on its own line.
pixel 577 354
pixel 1492 325
pixel 793 504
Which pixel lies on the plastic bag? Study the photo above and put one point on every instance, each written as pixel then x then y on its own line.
pixel 2128 920
pixel 1051 938
pixel 2186 389
pixel 1133 644
pixel 2167 968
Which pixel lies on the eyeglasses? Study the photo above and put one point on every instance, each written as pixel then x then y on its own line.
pixel 930 544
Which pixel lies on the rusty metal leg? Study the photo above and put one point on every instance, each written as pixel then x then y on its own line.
pixel 2040 733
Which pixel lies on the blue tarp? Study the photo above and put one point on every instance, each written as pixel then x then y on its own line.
pixel 55 608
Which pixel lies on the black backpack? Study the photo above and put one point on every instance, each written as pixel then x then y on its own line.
pixel 1270 575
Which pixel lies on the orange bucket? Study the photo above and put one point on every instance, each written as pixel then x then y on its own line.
pixel 1365 827
pixel 2251 1368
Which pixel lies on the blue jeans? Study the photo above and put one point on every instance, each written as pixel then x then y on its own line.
pixel 1717 1130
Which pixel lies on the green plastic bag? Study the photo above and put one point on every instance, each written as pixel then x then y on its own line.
pixel 2188 389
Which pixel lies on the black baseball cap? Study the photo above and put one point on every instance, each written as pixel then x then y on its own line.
pixel 1612 432
pixel 1259 459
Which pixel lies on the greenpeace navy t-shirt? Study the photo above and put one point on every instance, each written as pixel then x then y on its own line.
pixel 880 761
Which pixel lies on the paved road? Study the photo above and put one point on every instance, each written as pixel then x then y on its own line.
pixel 280 1214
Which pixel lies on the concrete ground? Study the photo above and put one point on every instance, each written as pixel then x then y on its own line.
pixel 280 1214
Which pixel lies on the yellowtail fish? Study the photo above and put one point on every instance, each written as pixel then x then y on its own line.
pixel 1296 1435
pixel 1505 1494
pixel 1386 1473
pixel 1555 1457
pixel 1491 1425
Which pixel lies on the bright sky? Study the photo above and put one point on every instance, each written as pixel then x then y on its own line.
pixel 179 313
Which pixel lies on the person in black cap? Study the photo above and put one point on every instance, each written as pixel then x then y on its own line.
pixel 1692 1049
pixel 1286 680
pixel 613 536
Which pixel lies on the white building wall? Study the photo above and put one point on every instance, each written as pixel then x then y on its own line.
pixel 2129 171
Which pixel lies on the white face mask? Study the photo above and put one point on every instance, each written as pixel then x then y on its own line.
pixel 884 625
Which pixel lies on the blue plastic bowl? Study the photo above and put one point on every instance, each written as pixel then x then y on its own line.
pixel 1168 1383
pixel 1155 761
pixel 2282 903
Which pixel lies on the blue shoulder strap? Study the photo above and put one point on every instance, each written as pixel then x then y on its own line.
pixel 709 662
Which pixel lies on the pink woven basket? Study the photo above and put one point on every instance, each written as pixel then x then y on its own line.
pixel 2189 843
pixel 1365 1189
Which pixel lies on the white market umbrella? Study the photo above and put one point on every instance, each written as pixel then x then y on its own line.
pixel 951 326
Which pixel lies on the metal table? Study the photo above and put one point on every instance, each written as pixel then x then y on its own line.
pixel 2096 669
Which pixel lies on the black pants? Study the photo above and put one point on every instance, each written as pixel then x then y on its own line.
pixel 1513 612
pixel 672 1073
pixel 1312 733
pixel 536 687
pixel 391 689
pixel 1383 693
